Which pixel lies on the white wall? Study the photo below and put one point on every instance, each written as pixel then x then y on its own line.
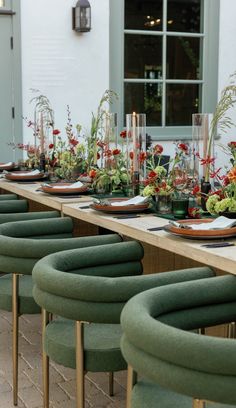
pixel 73 68
pixel 67 67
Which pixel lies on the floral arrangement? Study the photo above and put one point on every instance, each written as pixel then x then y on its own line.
pixel 158 181
pixel 224 199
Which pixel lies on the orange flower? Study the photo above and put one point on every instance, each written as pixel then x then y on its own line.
pixel 92 173
pixel 232 175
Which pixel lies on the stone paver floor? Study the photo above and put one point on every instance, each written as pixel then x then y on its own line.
pixel 62 380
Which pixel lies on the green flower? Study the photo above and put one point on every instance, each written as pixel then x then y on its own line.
pixel 161 171
pixel 149 191
pixel 227 204
pixel 211 203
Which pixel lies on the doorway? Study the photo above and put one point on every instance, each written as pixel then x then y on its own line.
pixel 10 80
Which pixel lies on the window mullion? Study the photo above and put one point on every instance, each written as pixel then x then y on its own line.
pixel 164 53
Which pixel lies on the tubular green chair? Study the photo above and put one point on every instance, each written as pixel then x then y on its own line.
pixel 92 287
pixel 22 244
pixel 8 197
pixel 179 365
pixel 13 206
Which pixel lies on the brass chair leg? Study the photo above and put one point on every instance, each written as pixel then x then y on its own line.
pixel 15 324
pixel 46 317
pixel 198 403
pixel 231 330
pixel 111 384
pixel 131 381
pixel 80 364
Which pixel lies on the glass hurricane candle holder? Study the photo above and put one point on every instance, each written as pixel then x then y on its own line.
pixel 136 148
pixel 202 144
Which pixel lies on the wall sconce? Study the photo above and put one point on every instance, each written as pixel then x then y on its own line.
pixel 81 16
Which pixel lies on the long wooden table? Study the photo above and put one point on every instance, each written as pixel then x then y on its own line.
pixel 163 251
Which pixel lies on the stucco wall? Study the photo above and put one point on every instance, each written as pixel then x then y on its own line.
pixel 68 67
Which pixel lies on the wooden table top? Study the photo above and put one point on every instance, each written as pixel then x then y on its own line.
pixel 137 228
pixel 30 191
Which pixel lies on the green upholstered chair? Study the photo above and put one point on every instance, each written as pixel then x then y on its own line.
pixel 8 197
pixel 22 244
pixel 181 368
pixel 13 206
pixel 84 286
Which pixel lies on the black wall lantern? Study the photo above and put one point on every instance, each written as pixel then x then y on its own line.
pixel 81 17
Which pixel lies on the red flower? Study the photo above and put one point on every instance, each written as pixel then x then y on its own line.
pixel 131 155
pixel 152 174
pixel 157 189
pixel 98 155
pixel 74 142
pixel 207 160
pixel 195 190
pixel 51 146
pixel 123 134
pixel 115 152
pixel 108 153
pixel 214 174
pixel 56 132
pixel 101 144
pixel 219 193
pixel 183 147
pixel 158 149
pixel 232 145
pixel 142 157
pixel 226 180
pixel 92 173
pixel 194 212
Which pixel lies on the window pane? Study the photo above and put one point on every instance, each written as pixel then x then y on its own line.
pixel 143 14
pixel 183 58
pixel 181 102
pixel 143 56
pixel 144 98
pixel 184 16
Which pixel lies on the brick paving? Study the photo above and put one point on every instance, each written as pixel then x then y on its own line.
pixel 62 380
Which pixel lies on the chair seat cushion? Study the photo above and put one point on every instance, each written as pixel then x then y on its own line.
pixel 101 344
pixel 148 395
pixel 27 304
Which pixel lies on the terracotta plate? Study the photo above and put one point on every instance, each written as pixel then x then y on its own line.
pixel 5 166
pixel 200 234
pixel 120 209
pixel 16 176
pixel 57 188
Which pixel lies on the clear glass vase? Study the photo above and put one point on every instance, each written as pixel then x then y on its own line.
pixel 164 204
pixel 136 148
pixel 202 145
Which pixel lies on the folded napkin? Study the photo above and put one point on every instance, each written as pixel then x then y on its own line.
pixel 6 164
pixel 218 224
pixel 28 173
pixel 78 184
pixel 133 201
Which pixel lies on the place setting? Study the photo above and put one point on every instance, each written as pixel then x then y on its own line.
pixel 127 208
pixel 25 176
pixel 64 189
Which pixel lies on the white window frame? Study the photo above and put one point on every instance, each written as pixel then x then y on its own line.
pixel 209 61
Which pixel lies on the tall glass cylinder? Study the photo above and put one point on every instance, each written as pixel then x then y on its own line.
pixel 136 148
pixel 109 139
pixel 202 145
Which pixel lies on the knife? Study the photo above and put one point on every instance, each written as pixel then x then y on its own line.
pixel 218 245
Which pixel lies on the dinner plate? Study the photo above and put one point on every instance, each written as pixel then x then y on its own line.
pixel 200 234
pixel 120 209
pixel 5 166
pixel 57 188
pixel 22 176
